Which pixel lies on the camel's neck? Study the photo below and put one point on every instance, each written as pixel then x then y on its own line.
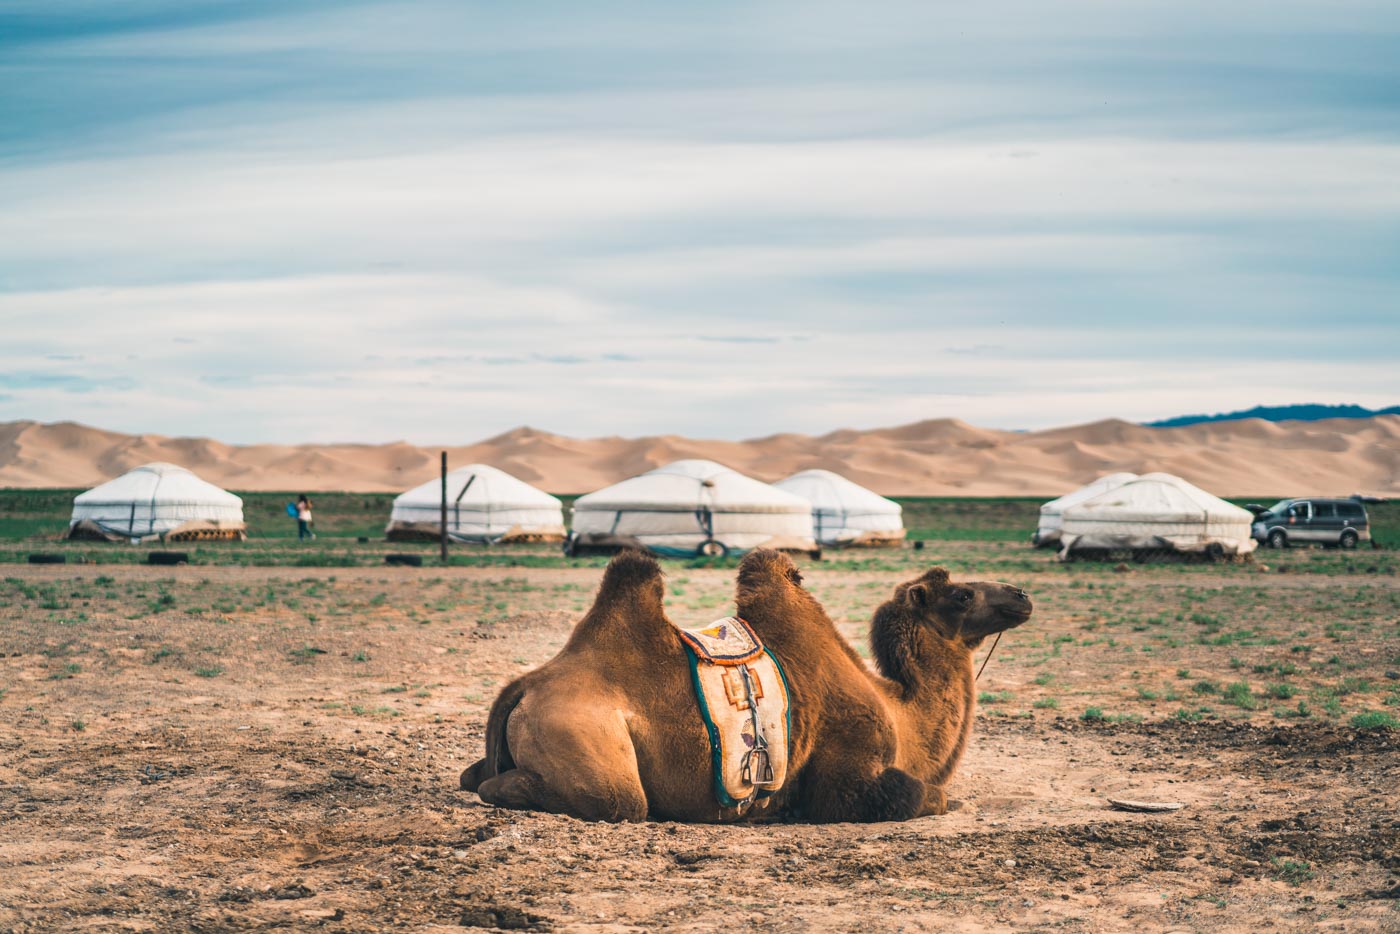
pixel 936 691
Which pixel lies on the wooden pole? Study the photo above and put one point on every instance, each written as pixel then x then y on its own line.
pixel 444 507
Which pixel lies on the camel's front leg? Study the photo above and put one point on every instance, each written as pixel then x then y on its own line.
pixel 890 795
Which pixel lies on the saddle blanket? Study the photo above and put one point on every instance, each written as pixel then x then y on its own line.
pixel 742 693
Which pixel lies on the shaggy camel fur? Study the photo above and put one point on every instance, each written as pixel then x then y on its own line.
pixel 609 729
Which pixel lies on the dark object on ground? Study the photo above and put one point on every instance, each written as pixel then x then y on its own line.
pixel 363 539
pixel 48 559
pixel 409 561
pixel 502 917
pixel 918 544
pixel 168 557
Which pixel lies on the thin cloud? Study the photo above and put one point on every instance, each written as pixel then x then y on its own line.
pixel 266 223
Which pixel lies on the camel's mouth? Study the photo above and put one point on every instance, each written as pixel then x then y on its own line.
pixel 1014 616
pixel 1015 611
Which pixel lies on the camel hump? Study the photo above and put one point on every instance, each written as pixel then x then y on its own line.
pixel 631 600
pixel 764 568
pixel 630 571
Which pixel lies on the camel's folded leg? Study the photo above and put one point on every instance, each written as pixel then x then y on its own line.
pixel 892 795
pixel 523 789
pixel 471 777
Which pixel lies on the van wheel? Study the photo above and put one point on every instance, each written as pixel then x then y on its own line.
pixel 1278 538
pixel 1348 540
pixel 711 549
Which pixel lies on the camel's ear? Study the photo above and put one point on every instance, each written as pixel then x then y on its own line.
pixel 936 579
pixel 928 589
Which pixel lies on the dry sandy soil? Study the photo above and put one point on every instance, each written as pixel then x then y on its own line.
pixel 939 457
pixel 237 748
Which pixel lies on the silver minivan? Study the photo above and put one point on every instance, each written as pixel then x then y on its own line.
pixel 1340 522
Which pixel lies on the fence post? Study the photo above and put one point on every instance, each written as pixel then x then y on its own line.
pixel 443 515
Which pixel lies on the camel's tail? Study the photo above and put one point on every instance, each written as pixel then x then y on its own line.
pixel 497 758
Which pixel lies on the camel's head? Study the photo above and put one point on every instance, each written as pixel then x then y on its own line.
pixel 968 611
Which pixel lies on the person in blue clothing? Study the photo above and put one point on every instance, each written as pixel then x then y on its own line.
pixel 304 518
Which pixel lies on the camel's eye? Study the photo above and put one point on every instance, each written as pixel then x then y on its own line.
pixel 961 597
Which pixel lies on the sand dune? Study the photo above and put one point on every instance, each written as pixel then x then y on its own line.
pixel 941 457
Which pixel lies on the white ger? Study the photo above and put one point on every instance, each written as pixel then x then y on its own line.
pixel 484 505
pixel 844 512
pixel 157 501
pixel 692 507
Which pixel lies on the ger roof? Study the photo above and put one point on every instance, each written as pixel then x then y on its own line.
pixel 689 484
pixel 830 492
pixel 479 485
pixel 158 484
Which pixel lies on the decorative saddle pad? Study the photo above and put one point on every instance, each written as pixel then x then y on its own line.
pixel 743 698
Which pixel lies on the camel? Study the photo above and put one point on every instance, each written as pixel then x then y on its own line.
pixel 609 729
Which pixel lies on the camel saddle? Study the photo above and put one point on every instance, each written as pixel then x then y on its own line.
pixel 742 693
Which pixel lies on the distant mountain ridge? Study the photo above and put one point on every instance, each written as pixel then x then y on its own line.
pixel 937 457
pixel 1307 412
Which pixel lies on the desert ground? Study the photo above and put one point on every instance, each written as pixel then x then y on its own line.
pixel 218 747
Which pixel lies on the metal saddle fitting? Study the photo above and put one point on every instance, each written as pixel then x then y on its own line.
pixel 757 769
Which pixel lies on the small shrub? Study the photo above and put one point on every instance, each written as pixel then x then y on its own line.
pixel 360 656
pixel 1281 691
pixel 305 654
pixel 1239 694
pixel 1292 871
pixel 212 672
pixel 1092 714
pixel 1206 687
pixel 991 697
pixel 1047 703
pixel 1375 719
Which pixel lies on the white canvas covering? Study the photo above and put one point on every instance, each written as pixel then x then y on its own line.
pixel 483 505
pixel 1048 530
pixel 846 513
pixel 1157 511
pixel 155 501
pixel 677 508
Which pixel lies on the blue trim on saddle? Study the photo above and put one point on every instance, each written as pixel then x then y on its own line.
pixel 787 692
pixel 716 754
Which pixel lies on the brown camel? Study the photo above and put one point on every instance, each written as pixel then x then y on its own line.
pixel 608 729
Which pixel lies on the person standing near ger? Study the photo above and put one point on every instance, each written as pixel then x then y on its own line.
pixel 304 518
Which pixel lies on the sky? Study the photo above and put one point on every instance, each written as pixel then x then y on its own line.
pixel 433 220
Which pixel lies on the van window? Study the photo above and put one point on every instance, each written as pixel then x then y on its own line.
pixel 1300 510
pixel 1350 510
pixel 1324 510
